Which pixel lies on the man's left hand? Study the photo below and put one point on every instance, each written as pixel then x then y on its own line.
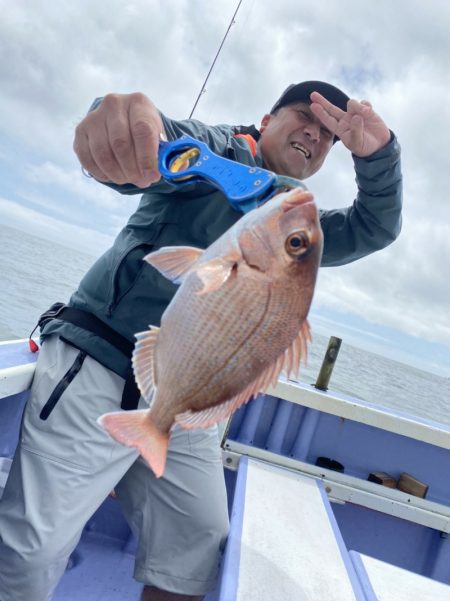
pixel 360 129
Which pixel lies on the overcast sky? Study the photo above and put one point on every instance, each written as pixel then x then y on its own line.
pixel 56 57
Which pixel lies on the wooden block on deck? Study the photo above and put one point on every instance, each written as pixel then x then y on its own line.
pixel 284 544
pixel 383 479
pixel 412 486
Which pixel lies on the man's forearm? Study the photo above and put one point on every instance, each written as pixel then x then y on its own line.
pixel 374 219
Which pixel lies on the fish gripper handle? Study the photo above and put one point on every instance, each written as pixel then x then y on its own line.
pixel 186 160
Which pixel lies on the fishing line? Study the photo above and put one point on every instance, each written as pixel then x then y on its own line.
pixel 202 90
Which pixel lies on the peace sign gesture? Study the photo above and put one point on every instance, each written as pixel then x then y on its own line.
pixel 360 129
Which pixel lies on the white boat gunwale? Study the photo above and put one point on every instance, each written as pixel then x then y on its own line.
pixel 343 488
pixel 366 413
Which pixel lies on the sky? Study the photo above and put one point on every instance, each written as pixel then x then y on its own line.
pixel 56 57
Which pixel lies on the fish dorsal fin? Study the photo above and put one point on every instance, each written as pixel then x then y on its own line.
pixel 289 361
pixel 174 262
pixel 143 362
pixel 297 351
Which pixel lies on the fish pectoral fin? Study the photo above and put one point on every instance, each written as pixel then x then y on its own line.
pixel 143 362
pixel 215 273
pixel 174 262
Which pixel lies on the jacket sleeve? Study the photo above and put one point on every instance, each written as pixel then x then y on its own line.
pixel 374 219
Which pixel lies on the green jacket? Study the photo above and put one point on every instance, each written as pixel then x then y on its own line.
pixel 128 294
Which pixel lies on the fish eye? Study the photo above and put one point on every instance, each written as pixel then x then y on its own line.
pixel 297 243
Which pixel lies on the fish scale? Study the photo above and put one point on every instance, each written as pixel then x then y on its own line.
pixel 198 340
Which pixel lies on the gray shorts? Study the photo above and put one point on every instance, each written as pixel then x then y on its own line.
pixel 66 465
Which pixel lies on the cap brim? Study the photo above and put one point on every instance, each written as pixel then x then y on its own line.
pixel 302 92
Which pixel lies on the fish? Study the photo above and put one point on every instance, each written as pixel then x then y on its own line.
pixel 237 320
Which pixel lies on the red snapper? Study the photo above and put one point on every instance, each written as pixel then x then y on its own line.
pixel 237 320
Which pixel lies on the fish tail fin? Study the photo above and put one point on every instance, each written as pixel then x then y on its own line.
pixel 136 429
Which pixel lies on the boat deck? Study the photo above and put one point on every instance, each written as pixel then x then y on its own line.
pixel 270 555
pixel 287 540
pixel 384 582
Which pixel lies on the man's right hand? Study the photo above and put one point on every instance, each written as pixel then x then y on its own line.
pixel 118 141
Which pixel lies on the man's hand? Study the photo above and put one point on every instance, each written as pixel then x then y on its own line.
pixel 118 141
pixel 360 129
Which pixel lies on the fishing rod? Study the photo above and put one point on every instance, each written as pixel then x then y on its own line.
pixel 202 90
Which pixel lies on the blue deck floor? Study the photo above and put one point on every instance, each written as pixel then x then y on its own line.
pixel 101 567
pixel 101 571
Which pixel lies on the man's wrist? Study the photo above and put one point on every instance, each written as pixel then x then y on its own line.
pixel 384 149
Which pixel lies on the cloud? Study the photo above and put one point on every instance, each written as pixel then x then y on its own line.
pixel 56 58
pixel 82 238
pixel 71 181
pixel 405 286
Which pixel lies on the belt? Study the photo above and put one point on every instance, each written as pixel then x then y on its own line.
pixel 91 323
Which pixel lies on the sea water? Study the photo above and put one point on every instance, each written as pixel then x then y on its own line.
pixel 36 273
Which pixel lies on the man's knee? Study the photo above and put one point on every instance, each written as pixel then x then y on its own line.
pixel 35 553
pixel 30 572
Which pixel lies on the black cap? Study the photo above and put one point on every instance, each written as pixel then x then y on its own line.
pixel 302 91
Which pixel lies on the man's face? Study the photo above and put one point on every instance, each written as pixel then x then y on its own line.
pixel 293 141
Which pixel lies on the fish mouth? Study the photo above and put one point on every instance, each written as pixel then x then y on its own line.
pixel 302 149
pixel 296 197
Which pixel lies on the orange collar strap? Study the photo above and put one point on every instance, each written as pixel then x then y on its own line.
pixel 250 141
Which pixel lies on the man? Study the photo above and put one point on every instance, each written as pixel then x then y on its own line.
pixel 66 464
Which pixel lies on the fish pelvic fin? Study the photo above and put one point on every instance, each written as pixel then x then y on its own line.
pixel 143 362
pixel 289 361
pixel 135 429
pixel 174 262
